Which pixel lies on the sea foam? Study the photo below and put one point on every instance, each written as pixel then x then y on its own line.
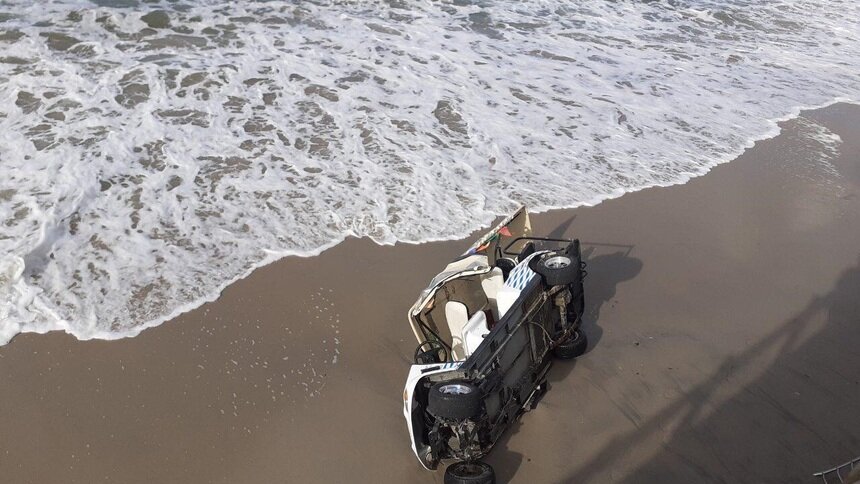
pixel 152 154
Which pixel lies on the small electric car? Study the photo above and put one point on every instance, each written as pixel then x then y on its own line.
pixel 487 328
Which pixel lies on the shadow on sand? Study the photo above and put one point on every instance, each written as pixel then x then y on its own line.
pixel 800 416
pixel 606 271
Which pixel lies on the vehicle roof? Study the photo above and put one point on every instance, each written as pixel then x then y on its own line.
pixel 467 265
pixel 476 260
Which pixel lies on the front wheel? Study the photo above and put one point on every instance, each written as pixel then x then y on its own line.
pixel 574 346
pixel 454 400
pixel 469 473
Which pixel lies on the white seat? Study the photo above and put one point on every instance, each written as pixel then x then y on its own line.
pixel 506 298
pixel 466 333
pixel 492 282
pixel 457 317
pixel 474 332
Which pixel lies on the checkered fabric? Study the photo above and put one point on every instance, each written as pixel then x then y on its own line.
pixel 520 275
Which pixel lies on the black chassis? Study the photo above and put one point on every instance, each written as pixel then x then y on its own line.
pixel 509 367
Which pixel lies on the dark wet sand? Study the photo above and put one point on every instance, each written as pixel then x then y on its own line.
pixel 725 347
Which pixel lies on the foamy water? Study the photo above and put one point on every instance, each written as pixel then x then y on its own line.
pixel 149 161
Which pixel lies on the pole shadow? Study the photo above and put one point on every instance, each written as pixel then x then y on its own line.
pixel 799 417
pixel 605 273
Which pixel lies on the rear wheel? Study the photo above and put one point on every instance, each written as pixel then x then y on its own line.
pixel 506 265
pixel 455 399
pixel 469 473
pixel 556 269
pixel 574 346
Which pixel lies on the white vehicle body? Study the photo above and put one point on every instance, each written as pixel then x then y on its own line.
pixel 485 325
pixel 416 373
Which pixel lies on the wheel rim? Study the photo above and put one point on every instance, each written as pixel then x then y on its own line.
pixel 455 389
pixel 557 262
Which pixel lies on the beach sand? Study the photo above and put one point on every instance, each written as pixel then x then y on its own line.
pixel 723 318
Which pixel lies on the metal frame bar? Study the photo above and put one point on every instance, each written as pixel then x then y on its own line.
pixel 838 470
pixel 542 239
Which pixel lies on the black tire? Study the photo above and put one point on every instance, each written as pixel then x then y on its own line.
pixel 506 265
pixel 528 249
pixel 572 347
pixel 454 400
pixel 556 269
pixel 469 473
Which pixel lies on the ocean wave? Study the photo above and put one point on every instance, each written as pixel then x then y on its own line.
pixel 154 153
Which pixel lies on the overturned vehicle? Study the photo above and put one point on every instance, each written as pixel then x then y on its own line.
pixel 488 327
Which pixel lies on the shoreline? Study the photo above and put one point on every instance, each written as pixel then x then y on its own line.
pixel 63 325
pixel 721 347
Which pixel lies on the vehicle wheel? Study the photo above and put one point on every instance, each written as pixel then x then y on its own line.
pixel 556 269
pixel 573 346
pixel 506 265
pixel 456 399
pixel 430 351
pixel 469 473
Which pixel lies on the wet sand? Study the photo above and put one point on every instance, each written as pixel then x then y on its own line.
pixel 723 318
